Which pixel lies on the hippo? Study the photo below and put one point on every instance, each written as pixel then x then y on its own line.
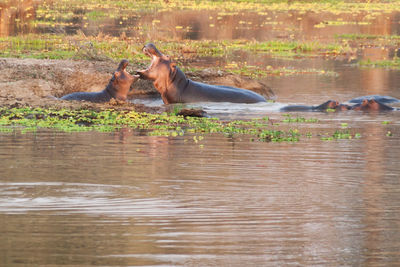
pixel 365 105
pixel 117 88
pixel 174 87
pixel 330 104
pixel 371 105
pixel 381 99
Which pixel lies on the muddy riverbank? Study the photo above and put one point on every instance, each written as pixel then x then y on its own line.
pixel 37 83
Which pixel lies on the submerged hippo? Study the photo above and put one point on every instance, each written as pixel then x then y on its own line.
pixel 174 87
pixel 379 98
pixel 365 105
pixel 330 104
pixel 371 105
pixel 117 88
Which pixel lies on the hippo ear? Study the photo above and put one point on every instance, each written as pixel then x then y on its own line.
pixel 117 74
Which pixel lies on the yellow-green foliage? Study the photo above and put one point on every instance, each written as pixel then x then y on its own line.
pixel 31 119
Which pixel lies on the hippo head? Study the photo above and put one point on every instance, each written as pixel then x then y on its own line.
pixel 330 104
pixel 374 105
pixel 161 69
pixel 121 81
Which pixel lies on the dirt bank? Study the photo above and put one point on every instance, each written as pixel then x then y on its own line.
pixel 37 83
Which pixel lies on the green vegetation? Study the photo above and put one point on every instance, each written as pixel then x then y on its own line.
pixel 258 72
pixel 368 37
pixel 30 119
pixel 388 64
pixel 67 47
pixel 341 135
pixel 106 48
pixel 56 9
pixel 56 16
pixel 115 48
pixel 290 119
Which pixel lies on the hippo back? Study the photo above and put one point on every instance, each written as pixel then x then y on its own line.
pixel 202 92
pixel 380 98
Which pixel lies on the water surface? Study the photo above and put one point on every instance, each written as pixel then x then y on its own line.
pixel 125 199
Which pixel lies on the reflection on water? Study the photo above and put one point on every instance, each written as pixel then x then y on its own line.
pixel 124 199
pixel 191 24
pixel 15 16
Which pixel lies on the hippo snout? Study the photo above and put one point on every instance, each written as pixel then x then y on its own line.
pixel 122 65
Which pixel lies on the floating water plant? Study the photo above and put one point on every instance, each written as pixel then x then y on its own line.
pixel 290 119
pixel 31 119
pixel 340 135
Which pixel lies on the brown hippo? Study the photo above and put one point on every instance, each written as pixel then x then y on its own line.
pixel 330 104
pixel 117 88
pixel 174 87
pixel 371 105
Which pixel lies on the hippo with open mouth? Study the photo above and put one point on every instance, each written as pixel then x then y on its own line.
pixel 117 88
pixel 174 87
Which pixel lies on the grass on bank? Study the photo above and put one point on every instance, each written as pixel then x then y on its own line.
pixel 39 46
pixel 116 48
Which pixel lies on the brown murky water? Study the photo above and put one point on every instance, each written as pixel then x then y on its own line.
pixel 123 199
pixel 119 199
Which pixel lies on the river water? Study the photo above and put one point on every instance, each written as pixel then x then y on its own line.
pixel 124 199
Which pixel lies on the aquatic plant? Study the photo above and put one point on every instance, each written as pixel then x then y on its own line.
pixel 341 134
pixel 388 64
pixel 30 119
pixel 290 119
